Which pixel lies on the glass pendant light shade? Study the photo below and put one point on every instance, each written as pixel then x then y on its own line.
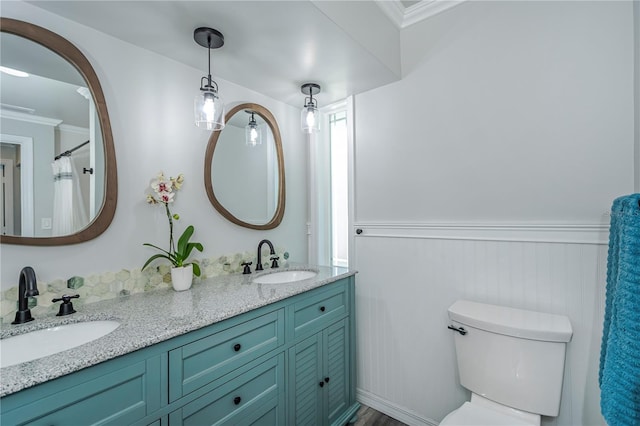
pixel 310 119
pixel 209 110
pixel 208 107
pixel 253 133
pixel 310 116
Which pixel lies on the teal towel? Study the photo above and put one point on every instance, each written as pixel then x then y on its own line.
pixel 619 373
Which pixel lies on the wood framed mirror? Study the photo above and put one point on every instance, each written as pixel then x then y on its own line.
pixel 245 180
pixel 52 58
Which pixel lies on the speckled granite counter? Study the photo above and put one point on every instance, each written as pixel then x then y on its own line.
pixel 152 317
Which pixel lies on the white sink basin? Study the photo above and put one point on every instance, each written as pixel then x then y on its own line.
pixel 41 343
pixel 284 277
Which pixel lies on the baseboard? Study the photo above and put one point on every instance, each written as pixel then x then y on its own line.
pixel 392 410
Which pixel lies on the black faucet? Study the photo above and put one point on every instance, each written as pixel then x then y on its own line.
pixel 272 252
pixel 27 287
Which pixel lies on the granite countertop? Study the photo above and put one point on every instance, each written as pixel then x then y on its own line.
pixel 152 317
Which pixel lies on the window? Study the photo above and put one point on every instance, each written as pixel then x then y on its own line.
pixel 329 188
pixel 339 189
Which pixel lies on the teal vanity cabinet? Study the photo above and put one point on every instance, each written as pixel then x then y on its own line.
pixel 288 363
pixel 117 392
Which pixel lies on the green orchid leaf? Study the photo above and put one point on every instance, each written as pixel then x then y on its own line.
pixel 189 248
pixel 184 239
pixel 158 248
pixel 154 257
pixel 196 269
pixel 178 257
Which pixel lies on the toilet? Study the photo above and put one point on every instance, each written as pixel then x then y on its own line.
pixel 512 361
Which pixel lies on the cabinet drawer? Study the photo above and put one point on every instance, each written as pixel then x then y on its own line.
pixel 246 399
pixel 203 361
pixel 315 312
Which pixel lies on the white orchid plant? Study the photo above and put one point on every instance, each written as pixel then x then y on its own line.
pixel 164 191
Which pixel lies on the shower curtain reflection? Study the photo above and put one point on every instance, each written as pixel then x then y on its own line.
pixel 69 214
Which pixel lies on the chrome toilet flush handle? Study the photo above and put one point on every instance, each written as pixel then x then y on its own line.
pixel 460 330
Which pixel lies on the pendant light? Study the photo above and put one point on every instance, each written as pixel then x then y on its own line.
pixel 310 117
pixel 209 109
pixel 253 135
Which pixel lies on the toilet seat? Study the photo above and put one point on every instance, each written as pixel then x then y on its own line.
pixel 475 415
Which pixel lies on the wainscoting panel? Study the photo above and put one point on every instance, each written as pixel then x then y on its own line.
pixel 406 357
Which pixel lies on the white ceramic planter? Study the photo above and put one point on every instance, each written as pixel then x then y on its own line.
pixel 182 277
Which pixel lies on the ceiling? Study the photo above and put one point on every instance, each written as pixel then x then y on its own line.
pixel 49 73
pixel 272 47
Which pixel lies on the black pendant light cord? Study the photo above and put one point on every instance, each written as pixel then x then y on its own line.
pixel 209 50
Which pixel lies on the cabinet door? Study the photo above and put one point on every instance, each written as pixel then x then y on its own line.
pixel 336 367
pixel 121 396
pixel 319 376
pixel 305 375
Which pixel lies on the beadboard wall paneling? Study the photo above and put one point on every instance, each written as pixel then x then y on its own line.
pixel 406 356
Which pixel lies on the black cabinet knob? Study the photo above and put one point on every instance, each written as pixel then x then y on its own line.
pixel 237 400
pixel 322 308
pixel 326 380
pixel 358 231
pixel 237 347
pixel 321 384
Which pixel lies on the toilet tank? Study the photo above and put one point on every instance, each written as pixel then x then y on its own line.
pixel 511 356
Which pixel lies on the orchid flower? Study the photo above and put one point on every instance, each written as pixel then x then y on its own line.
pixel 164 190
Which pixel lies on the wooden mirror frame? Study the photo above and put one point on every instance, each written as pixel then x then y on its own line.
pixel 74 56
pixel 208 163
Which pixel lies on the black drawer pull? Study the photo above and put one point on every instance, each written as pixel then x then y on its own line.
pixel 321 384
pixel 322 308
pixel 237 347
pixel 237 400
pixel 326 380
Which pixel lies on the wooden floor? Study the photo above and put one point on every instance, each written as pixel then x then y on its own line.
pixel 369 417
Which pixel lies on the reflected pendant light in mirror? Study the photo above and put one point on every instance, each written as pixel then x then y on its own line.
pixel 310 117
pixel 253 135
pixel 209 108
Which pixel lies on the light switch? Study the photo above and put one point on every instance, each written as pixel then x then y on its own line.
pixel 46 223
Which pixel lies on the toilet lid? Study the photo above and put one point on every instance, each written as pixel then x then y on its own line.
pixel 474 415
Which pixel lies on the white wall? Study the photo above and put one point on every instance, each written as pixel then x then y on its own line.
pixel 150 103
pixel 636 17
pixel 246 197
pixel 43 153
pixel 487 173
pixel 508 111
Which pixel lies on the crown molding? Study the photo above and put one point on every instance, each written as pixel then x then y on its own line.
pixel 29 118
pixel 426 9
pixel 393 9
pixel 74 129
pixel 403 17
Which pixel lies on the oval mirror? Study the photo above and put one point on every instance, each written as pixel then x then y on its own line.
pixel 56 145
pixel 244 168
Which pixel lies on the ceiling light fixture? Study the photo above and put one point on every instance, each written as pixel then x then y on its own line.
pixel 252 133
pixel 13 72
pixel 310 118
pixel 209 109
